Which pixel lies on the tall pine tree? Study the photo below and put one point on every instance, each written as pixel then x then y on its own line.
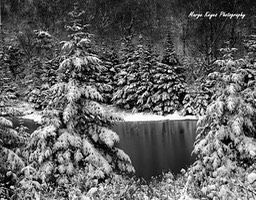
pixel 226 145
pixel 170 56
pixel 75 143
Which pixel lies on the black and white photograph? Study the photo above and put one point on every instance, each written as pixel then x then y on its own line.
pixel 127 100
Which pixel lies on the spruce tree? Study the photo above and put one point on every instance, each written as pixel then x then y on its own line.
pixel 42 69
pixel 168 90
pixel 76 145
pixel 11 161
pixel 129 77
pixel 197 99
pixel 170 56
pixel 226 145
pixel 106 82
pixel 144 91
pixel 206 89
pixel 147 85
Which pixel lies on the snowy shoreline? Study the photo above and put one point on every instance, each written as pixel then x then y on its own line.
pixel 34 116
pixel 128 117
pixel 138 117
pixel 133 117
pixel 30 113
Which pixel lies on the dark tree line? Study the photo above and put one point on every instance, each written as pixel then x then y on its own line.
pixel 112 19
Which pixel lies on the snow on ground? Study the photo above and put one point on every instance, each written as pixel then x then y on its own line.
pixel 128 117
pixel 251 178
pixel 133 117
pixel 30 113
pixel 34 116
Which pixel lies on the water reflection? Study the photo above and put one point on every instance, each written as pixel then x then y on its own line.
pixel 153 147
pixel 157 146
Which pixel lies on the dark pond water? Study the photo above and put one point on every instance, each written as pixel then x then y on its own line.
pixel 154 147
pixel 158 146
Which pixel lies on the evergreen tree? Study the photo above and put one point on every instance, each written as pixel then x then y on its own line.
pixel 127 49
pixel 42 67
pixel 75 145
pixel 145 84
pixel 199 97
pixel 226 145
pixel 170 57
pixel 144 91
pixel 106 81
pixel 11 161
pixel 129 77
pixel 168 90
pixel 205 89
pixel 125 53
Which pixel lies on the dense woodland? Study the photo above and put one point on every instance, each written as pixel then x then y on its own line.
pixel 73 60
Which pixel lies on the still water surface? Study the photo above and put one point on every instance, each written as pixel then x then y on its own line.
pixel 158 146
pixel 153 147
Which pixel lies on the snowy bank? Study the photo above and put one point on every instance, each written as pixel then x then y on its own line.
pixel 128 117
pixel 30 113
pixel 34 116
pixel 134 117
pixel 27 111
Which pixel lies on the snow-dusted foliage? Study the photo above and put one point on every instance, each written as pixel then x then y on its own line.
pixel 170 56
pixel 145 84
pixel 199 97
pixel 11 160
pixel 129 79
pixel 106 84
pixel 167 91
pixel 75 144
pixel 205 89
pixel 226 143
pixel 41 69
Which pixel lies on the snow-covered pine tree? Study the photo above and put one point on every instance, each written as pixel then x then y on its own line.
pixel 106 81
pixel 168 82
pixel 11 161
pixel 42 69
pixel 168 89
pixel 170 56
pixel 199 97
pixel 149 85
pixel 226 145
pixel 75 144
pixel 129 78
pixel 144 91
pixel 126 50
pixel 197 100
